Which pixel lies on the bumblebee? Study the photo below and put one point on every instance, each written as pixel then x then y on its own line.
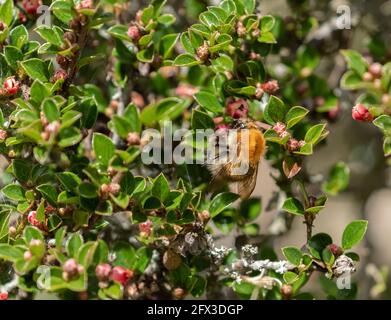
pixel 247 147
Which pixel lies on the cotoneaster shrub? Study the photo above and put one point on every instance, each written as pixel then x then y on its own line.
pixel 84 217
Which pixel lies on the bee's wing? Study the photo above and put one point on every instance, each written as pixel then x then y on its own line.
pixel 247 185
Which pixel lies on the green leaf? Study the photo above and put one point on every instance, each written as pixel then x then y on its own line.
pixel 166 19
pixel 267 37
pixel 12 56
pixel 73 244
pixel 318 243
pixel 6 11
pixel 63 10
pixel 293 255
pixel 14 192
pixel 186 60
pixel 168 43
pixel 383 123
pixel 354 233
pixel 275 110
pixel 267 23
pixel 10 253
pixel 19 36
pixel 53 35
pixel 22 169
pixel 120 32
pixel 221 202
pixel 39 91
pixel 294 206
pixel 201 120
pixel 208 101
pixel 131 113
pixel 294 116
pixel 351 81
pixel 387 146
pixel 49 192
pixel 355 61
pixel 160 187
pixel 50 109
pixel 41 212
pixel 59 237
pixel 328 257
pixel 69 137
pixel 69 180
pixel 314 134
pixel 103 147
pixel 146 55
pixel 250 209
pixel 338 179
pixel 88 190
pixel 35 69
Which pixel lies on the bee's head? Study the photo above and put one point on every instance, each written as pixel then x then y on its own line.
pixel 244 124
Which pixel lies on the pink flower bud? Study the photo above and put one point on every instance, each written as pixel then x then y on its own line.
pixel 121 274
pixel 133 139
pixel 59 75
pixel 294 145
pixel 70 266
pixel 270 86
pixel 103 271
pixel 27 255
pixel 203 52
pixel 137 99
pixel 3 134
pixel 53 127
pixel 85 4
pixel 134 33
pixel 32 218
pixel 145 228
pixel 114 188
pixel 280 128
pixel 186 90
pixel 376 69
pixel 361 113
pixel 104 188
pixel 367 76
pixel 11 86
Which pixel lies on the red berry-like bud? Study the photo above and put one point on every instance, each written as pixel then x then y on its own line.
pixel 134 33
pixel 31 6
pixel 3 134
pixel 22 17
pixel 270 86
pixel 376 69
pixel 2 26
pixel 286 291
pixel 133 139
pixel 59 75
pixel 178 293
pixel 32 218
pixel 237 109
pixel 361 113
pixel 4 296
pixel 335 250
pixel 103 271
pixel 121 274
pixel 11 86
pixel 145 228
